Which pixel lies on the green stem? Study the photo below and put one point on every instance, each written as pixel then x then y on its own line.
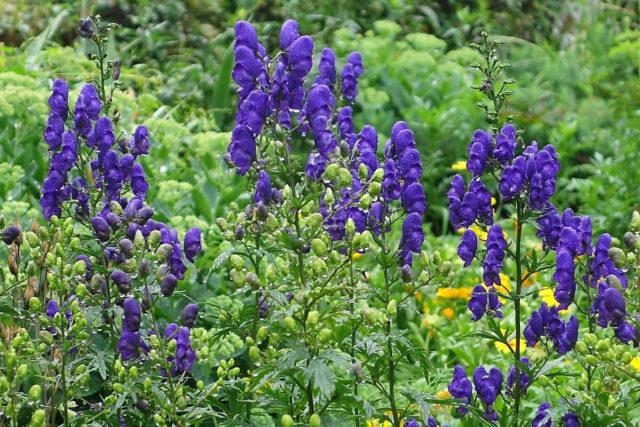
pixel 63 373
pixel 517 298
pixel 354 329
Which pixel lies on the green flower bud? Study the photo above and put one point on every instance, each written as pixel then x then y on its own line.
pixel 81 290
pixel 331 172
pixel 221 372
pixel 635 222
pixel 590 338
pixel 626 357
pixel 344 177
pixel 79 268
pixel 237 277
pixel 172 346
pixel 591 359
pixel 596 385
pixel 543 380
pixel 315 421
pixel 4 384
pixel 328 197
pixel 200 385
pixel 365 201
pixel 154 238
pixel 253 280
pixel 38 418
pixel 312 318
pixel 290 323
pixel 235 371
pixel 147 384
pixel 46 337
pixel 118 388
pixel 318 266
pixel 158 419
pixel 81 369
pixel 363 172
pixel 133 372
pixel 236 262
pixel 115 207
pixel 392 308
pixel 271 223
pixel 319 247
pixel 164 251
pixel 601 345
pixel 262 332
pixel 315 220
pixel 350 227
pixel 75 307
pixel 581 347
pixel 378 175
pixel 445 268
pixel 618 256
pixel 286 421
pixel 35 393
pixel 325 334
pixel 374 189
pixel 254 353
pixel 22 371
pixel 181 402
pixel 32 239
pixel 35 306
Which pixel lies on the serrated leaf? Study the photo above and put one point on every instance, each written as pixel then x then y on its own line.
pixel 322 377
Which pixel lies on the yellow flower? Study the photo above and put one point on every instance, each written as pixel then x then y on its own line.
pixel 635 363
pixel 480 233
pixel 453 293
pixel 493 201
pixel 531 279
pixel 418 296
pixel 546 294
pixel 448 313
pixel 502 347
pixel 443 394
pixel 356 256
pixel 460 165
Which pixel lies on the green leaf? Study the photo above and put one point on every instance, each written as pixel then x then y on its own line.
pixel 220 100
pixel 321 375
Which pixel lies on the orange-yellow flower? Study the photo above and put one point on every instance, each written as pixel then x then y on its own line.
pixel 448 313
pixel 460 165
pixel 453 293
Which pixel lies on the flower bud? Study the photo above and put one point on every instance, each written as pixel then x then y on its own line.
pixel 254 353
pixel 38 418
pixel 312 318
pixel 35 305
pixel 32 239
pixel 168 285
pixel 22 371
pixel 12 234
pixel 290 323
pixel 319 247
pixel 164 251
pixel 329 199
pixel 200 385
pixel 635 222
pixel 407 273
pixel 618 256
pixel 253 280
pixel 286 421
pixel 392 308
pixel 315 421
pixel 35 393
pixel 236 262
pixel 350 227
pixel 262 332
pixel 325 334
pixel 363 172
pixel 331 172
pixel 344 177
pixel 581 347
pixel 356 370
pixel 154 238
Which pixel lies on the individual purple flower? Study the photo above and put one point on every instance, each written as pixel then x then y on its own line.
pixel 611 310
pixel 102 136
pixel 461 389
pixel 318 109
pixel 505 144
pixel 549 227
pixel 410 166
pixel 455 196
pixel 263 188
pixel 513 178
pixel 467 247
pixel 192 243
pixel 346 129
pixel 570 419
pixel 288 33
pixel 10 234
pixel 375 217
pixel 326 68
pixel 185 356
pixel 483 198
pixel 316 165
pixel 85 28
pixel 101 228
pixel 351 72
pixel 53 131
pixel 59 99
pixel 168 285
pixel 52 308
pixel 390 182
pixel 468 209
pixel 242 149
pixel 564 276
pixel 140 143
pixel 130 342
pixel 412 237
pixel 494 257
pixel 601 264
pixel 546 322
pixel 248 68
pixel 413 198
pixel 483 301
pixel 122 280
pixel 139 184
pixel 188 315
pixel 524 379
pixel 543 417
pixel 253 110
pixel 479 151
pixel 88 106
pixel 488 386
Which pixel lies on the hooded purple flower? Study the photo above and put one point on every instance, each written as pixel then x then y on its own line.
pixel 192 244
pixel 601 265
pixel 242 149
pixel 346 129
pixel 122 280
pixel 467 247
pixel 253 110
pixel 455 195
pixel 101 228
pixel 611 310
pixel 140 143
pixel 546 322
pixel 316 165
pixel 513 178
pixel 188 315
pixel 327 68
pixel 549 227
pixel 479 151
pixel 484 301
pixel 185 356
pixel 524 381
pixel 59 99
pixel 139 184
pixel 460 388
pixel 543 417
pixel 570 419
pixel 351 72
pixel 494 257
pixel 413 198
pixel 52 308
pixel 505 144
pixel 88 106
pixel 488 385
pixel 318 109
pixel 564 276
pixel 53 131
pixel 263 188
pixel 412 237
pixel 376 217
pixel 390 183
pixel 248 68
pixel 130 342
pixel 483 198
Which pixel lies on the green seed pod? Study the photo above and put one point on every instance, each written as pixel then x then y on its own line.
pixel 236 262
pixel 392 308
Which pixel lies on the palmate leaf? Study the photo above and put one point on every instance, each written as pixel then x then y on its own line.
pixel 321 375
